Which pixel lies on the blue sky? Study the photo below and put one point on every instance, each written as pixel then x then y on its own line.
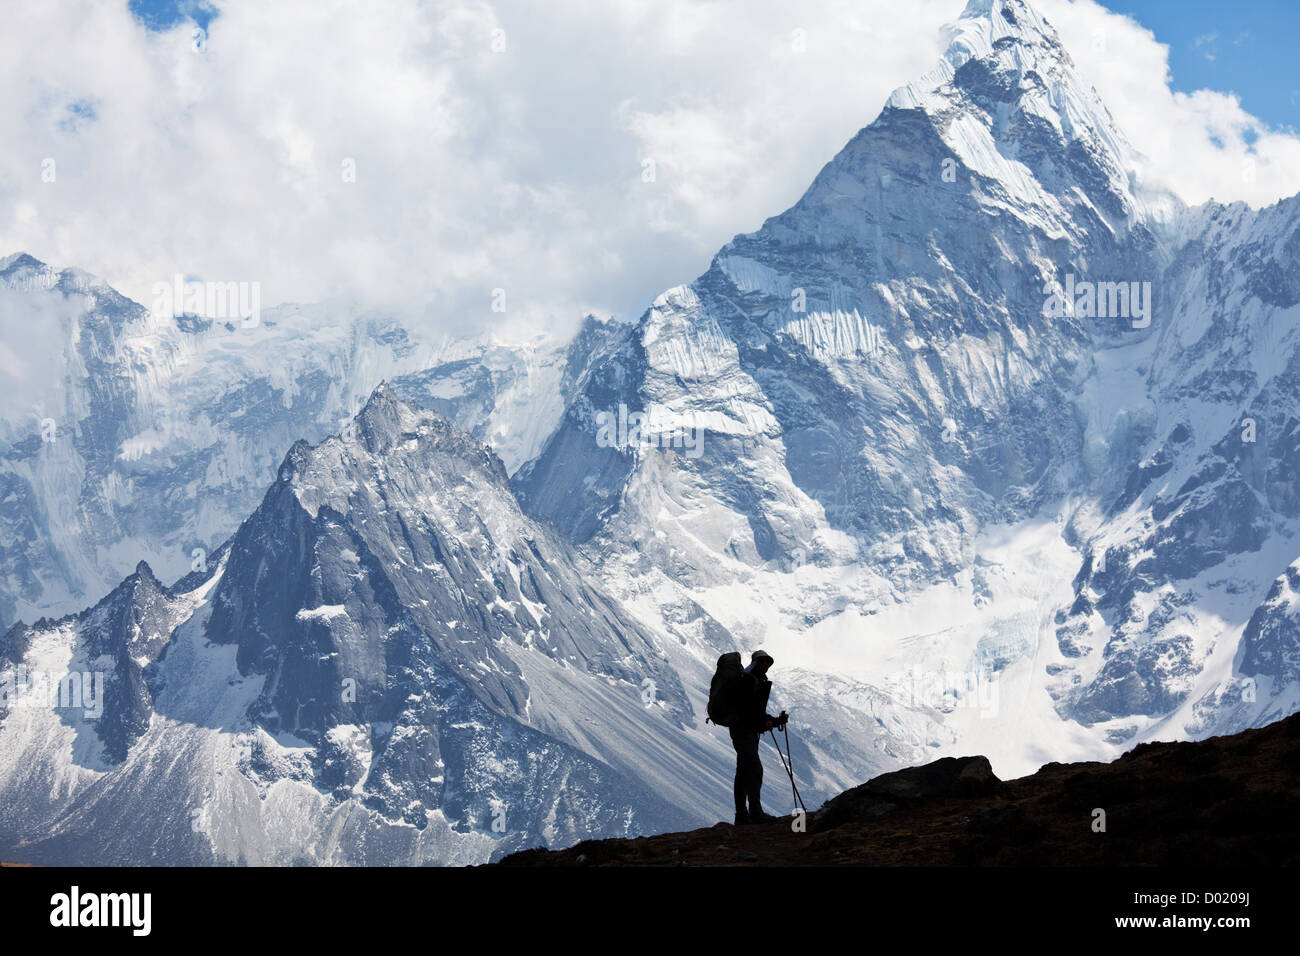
pixel 1247 48
pixel 165 14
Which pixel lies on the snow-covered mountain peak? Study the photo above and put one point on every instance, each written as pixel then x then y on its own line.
pixel 21 270
pixel 18 262
pixel 887 388
pixel 390 426
pixel 385 419
pixel 1008 35
pixel 1003 32
pixel 1009 103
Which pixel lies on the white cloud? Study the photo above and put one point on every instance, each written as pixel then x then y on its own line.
pixel 1196 144
pixel 478 170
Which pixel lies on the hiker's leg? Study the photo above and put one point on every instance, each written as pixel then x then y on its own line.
pixel 739 785
pixel 752 768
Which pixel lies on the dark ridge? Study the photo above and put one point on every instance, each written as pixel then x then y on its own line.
pixel 1222 802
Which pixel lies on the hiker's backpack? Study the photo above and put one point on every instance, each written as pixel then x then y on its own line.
pixel 724 690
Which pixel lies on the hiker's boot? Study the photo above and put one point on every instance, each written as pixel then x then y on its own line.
pixel 742 818
pixel 758 816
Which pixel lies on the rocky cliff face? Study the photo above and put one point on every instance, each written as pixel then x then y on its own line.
pixel 387 638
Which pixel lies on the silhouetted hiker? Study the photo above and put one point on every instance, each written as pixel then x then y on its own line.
pixel 750 722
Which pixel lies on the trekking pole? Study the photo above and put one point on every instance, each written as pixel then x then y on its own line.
pixel 785 729
pixel 788 771
pixel 789 754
